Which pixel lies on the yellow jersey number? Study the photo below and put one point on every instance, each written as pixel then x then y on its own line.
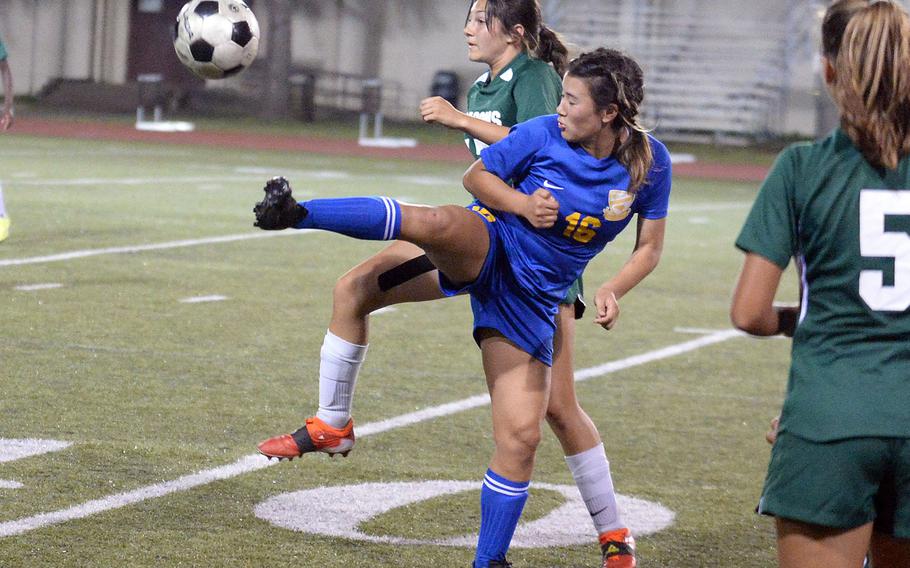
pixel 484 212
pixel 581 229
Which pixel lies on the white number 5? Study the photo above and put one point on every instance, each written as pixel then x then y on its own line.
pixel 874 241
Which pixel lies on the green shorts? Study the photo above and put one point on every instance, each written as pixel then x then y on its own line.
pixel 841 484
pixel 575 296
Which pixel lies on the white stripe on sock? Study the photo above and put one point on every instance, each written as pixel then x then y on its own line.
pixel 504 492
pixel 503 488
pixel 391 217
pixel 385 231
pixel 395 221
pixel 513 487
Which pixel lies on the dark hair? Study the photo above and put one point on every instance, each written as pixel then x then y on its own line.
pixel 614 78
pixel 868 44
pixel 539 40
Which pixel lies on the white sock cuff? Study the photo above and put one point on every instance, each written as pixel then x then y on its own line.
pixel 588 461
pixel 342 349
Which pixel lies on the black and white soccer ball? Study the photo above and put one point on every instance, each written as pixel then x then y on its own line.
pixel 216 38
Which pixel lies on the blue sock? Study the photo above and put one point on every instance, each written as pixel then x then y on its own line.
pixel 501 503
pixel 370 218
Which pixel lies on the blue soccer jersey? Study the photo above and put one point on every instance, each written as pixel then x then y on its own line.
pixel 594 202
pixel 527 270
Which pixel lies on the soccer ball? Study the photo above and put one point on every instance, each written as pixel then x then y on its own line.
pixel 216 38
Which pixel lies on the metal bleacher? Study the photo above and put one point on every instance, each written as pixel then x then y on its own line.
pixel 709 75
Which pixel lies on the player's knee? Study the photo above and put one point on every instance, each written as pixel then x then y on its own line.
pixel 437 222
pixel 561 414
pixel 521 441
pixel 557 420
pixel 356 291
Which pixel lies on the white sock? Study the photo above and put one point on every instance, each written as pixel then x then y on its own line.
pixel 2 206
pixel 591 471
pixel 339 364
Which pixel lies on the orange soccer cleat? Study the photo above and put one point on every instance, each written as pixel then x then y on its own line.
pixel 618 548
pixel 315 436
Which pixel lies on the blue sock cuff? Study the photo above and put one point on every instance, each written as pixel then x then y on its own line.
pixel 500 484
pixel 392 220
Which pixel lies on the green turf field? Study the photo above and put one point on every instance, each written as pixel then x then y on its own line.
pixel 147 323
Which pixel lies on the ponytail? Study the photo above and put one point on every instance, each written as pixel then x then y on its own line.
pixel 538 40
pixel 868 44
pixel 635 154
pixel 550 48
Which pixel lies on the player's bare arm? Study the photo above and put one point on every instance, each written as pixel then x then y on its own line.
pixel 437 110
pixel 649 243
pixel 753 308
pixel 540 208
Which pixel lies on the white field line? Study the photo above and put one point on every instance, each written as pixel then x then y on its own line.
pixel 650 356
pixel 203 299
pixel 705 331
pixel 34 287
pixel 240 172
pixel 696 330
pixel 211 240
pixel 255 462
pixel 129 181
pixel 47 151
pixel 11 450
pixel 142 248
pixel 385 310
pixel 713 206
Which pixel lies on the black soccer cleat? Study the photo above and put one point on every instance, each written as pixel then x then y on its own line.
pixel 278 210
pixel 497 564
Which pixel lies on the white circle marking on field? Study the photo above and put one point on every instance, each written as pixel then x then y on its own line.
pixel 339 511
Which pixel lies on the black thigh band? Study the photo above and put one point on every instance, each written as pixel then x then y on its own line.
pixel 404 272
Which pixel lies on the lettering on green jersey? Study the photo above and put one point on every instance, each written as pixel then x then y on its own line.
pixel 491 116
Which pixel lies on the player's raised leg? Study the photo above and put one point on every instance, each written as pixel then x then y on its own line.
pixel 436 229
pixel 455 239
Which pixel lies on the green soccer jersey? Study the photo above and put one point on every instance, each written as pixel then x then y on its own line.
pixel 525 88
pixel 2 50
pixel 848 225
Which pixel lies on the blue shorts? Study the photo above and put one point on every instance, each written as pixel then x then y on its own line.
pixel 500 302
